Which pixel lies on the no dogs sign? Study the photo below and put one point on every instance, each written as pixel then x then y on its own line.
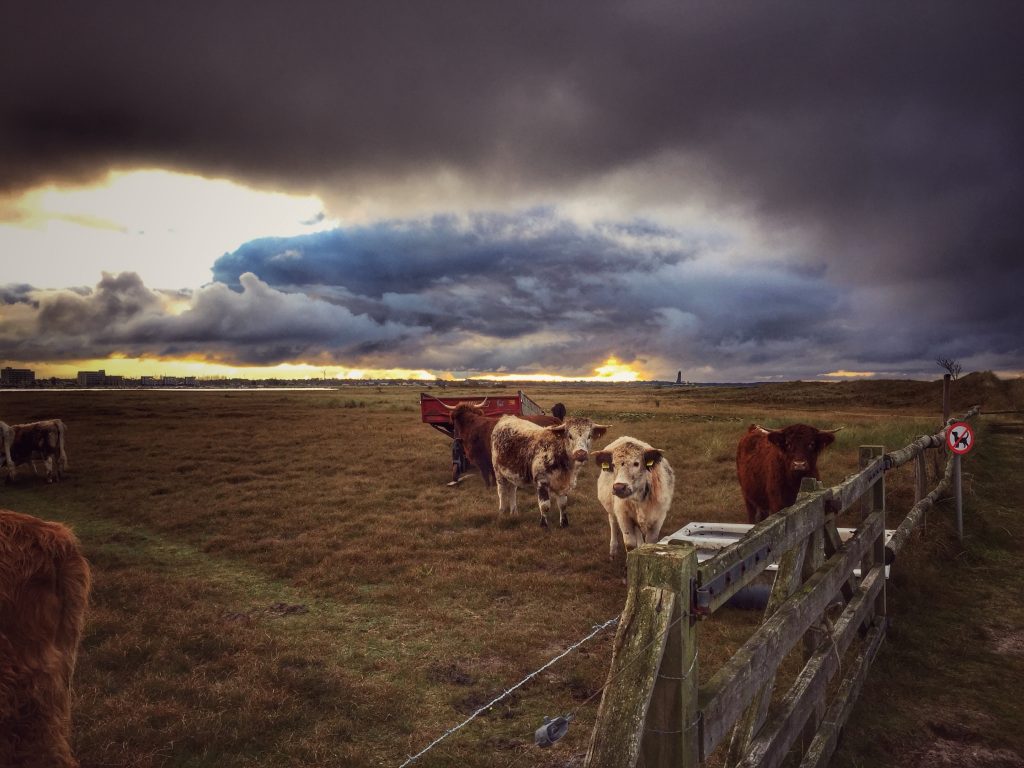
pixel 960 437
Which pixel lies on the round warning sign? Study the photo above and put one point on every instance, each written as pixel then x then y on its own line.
pixel 959 437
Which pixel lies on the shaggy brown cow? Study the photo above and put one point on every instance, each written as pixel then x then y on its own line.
pixel 548 457
pixel 771 463
pixel 39 441
pixel 474 429
pixel 44 588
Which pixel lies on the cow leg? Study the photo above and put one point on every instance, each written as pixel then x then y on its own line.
pixel 563 516
pixel 652 533
pixel 543 501
pixel 752 511
pixel 48 463
pixel 506 497
pixel 615 542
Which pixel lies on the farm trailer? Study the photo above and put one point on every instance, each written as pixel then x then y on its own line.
pixel 436 411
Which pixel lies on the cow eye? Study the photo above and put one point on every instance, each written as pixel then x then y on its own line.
pixel 636 463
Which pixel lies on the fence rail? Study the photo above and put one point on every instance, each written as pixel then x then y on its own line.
pixel 653 708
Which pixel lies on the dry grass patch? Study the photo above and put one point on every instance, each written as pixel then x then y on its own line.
pixel 210 516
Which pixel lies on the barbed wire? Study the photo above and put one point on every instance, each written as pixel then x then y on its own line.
pixel 597 629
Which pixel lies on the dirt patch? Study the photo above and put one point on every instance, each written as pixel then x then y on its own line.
pixel 956 754
pixel 1009 642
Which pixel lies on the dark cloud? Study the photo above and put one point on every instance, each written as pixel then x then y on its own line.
pixel 251 326
pixel 888 146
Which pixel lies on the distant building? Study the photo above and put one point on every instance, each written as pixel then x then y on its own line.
pixel 113 381
pixel 171 381
pixel 92 378
pixel 147 381
pixel 17 377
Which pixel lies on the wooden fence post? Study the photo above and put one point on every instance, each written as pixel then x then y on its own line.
pixel 649 706
pixel 874 500
pixel 921 483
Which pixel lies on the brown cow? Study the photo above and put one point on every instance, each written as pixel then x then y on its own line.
pixel 39 441
pixel 44 588
pixel 474 429
pixel 548 457
pixel 771 463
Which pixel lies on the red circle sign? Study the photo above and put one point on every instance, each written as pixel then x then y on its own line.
pixel 959 437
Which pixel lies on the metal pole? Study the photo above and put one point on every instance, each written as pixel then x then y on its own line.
pixel 957 491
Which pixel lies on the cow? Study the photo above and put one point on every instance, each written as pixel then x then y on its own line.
pixel 635 487
pixel 39 441
pixel 44 589
pixel 474 428
pixel 549 458
pixel 771 463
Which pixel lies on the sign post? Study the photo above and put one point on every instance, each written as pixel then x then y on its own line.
pixel 959 439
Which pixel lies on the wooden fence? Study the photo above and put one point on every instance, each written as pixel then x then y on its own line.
pixel 654 713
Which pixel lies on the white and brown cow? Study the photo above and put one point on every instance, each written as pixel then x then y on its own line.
pixel 549 458
pixel 38 441
pixel 635 488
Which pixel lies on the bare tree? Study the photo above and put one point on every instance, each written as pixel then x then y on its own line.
pixel 952 366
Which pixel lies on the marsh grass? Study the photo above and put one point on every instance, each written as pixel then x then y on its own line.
pixel 283 578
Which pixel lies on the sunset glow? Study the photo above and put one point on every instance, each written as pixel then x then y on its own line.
pixel 611 371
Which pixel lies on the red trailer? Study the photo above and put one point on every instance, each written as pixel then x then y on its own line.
pixel 436 411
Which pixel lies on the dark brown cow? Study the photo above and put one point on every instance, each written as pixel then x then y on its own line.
pixel 44 588
pixel 39 441
pixel 771 463
pixel 474 429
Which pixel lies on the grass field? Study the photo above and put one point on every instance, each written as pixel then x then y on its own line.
pixel 282 577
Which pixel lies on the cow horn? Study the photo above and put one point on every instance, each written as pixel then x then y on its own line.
pixel 481 404
pixel 442 402
pixel 833 431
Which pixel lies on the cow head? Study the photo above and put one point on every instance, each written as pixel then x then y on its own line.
pixel 800 445
pixel 631 465
pixel 577 433
pixel 464 414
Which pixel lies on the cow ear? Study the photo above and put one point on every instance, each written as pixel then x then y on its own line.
pixel 603 459
pixel 651 458
pixel 599 430
pixel 778 437
pixel 825 439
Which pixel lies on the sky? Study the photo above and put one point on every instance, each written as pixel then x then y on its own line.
pixel 739 191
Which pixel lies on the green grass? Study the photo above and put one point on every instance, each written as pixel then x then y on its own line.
pixel 282 578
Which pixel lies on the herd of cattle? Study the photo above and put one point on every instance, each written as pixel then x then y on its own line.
pixel 636 482
pixel 44 579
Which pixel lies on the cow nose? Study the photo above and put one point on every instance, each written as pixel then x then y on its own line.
pixel 799 466
pixel 622 490
pixel 580 455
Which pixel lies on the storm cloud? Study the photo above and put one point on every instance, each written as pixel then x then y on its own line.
pixel 876 154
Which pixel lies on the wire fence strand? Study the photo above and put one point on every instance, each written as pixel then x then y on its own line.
pixel 597 629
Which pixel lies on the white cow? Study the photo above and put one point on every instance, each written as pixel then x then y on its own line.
pixel 635 488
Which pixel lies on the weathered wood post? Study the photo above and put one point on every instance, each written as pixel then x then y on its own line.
pixel 649 706
pixel 921 483
pixel 874 500
pixel 945 398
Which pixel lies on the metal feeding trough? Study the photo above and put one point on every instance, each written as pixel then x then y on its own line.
pixel 711 538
